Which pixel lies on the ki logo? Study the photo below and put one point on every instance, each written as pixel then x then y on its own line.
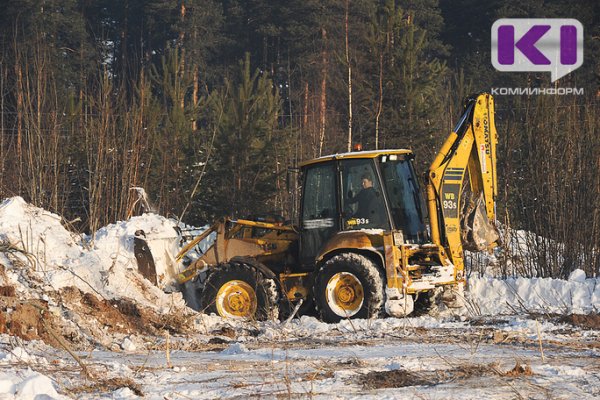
pixel 537 44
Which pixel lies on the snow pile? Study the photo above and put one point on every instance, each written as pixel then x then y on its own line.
pixel 104 265
pixel 25 384
pixel 28 385
pixel 19 354
pixel 578 295
pixel 234 349
pixel 525 253
pixel 116 240
pixel 37 231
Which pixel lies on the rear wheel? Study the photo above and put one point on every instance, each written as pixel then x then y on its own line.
pixel 239 291
pixel 349 286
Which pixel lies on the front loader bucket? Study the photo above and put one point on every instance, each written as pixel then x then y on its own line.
pixel 144 258
pixel 479 233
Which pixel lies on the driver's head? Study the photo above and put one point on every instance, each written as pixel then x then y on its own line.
pixel 367 182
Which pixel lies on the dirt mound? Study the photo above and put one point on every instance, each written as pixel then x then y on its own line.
pixel 80 291
pixel 82 318
pixel 123 315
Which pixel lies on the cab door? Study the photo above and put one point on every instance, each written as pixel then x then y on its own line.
pixel 319 211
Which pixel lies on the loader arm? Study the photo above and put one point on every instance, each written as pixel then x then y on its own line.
pixel 234 238
pixel 470 147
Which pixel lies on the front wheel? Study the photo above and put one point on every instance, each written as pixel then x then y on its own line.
pixel 239 291
pixel 349 286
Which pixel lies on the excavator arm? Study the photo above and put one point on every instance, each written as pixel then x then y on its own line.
pixel 471 148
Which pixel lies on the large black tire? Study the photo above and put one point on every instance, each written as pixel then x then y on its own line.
pixel 237 290
pixel 351 286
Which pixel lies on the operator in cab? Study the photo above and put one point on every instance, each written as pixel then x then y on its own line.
pixel 369 203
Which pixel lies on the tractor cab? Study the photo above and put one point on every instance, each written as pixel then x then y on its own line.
pixel 372 191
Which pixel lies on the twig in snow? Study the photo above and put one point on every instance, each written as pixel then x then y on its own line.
pixel 7 247
pixel 520 300
pixel 61 341
pixel 293 314
pixel 548 305
pixel 471 306
pixel 168 350
pixel 444 359
pixel 83 280
pixel 537 325
pixel 142 198
pixel 141 367
pixel 473 345
pixel 350 322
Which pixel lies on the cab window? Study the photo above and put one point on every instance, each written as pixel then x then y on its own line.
pixel 362 198
pixel 404 197
pixel 319 196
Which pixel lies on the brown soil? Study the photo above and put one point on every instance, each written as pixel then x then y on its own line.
pixel 589 321
pixel 7 291
pixel 403 378
pixel 27 319
pixel 122 315
pixel 225 331
pixel 393 379
pixel 519 370
pixel 32 319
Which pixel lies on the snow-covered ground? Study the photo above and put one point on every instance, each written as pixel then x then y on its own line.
pixel 507 358
pixel 78 321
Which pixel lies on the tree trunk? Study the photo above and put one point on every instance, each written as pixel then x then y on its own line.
pixel 349 81
pixel 182 48
pixel 379 102
pixel 19 115
pixel 324 61
pixel 2 131
pixel 195 94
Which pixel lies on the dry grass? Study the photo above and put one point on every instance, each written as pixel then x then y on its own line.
pixel 589 321
pixel 108 385
pixel 519 370
pixel 405 378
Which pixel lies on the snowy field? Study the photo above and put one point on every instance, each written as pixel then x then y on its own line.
pixel 393 358
pixel 78 321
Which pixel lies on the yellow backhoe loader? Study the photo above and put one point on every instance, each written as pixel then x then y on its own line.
pixel 367 242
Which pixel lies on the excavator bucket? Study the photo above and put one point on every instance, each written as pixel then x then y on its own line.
pixel 143 256
pixel 479 233
pixel 155 257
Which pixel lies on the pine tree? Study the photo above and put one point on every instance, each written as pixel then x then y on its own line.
pixel 243 174
pixel 410 63
pixel 178 142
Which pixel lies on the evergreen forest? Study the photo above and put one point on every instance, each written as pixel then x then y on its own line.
pixel 203 105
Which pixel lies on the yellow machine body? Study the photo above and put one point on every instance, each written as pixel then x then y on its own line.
pixel 408 266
